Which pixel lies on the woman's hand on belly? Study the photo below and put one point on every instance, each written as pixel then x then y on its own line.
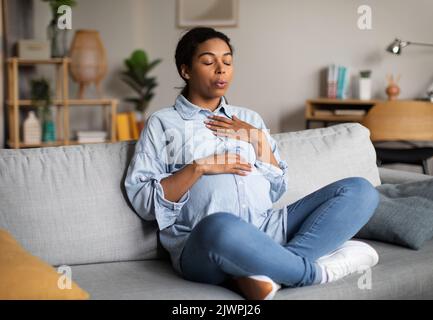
pixel 223 163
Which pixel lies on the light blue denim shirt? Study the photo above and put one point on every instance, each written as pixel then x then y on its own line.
pixel 175 136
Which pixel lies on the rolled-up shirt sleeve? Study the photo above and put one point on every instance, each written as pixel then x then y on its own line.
pixel 276 176
pixel 144 189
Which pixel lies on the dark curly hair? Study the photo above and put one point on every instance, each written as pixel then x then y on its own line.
pixel 187 46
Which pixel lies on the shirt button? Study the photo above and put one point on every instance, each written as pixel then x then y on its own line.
pixel 241 183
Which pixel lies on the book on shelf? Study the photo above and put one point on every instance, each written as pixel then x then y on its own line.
pixel 323 112
pixel 91 136
pixel 332 81
pixel 92 133
pixel 133 125
pixel 338 78
pixel 351 112
pixel 90 140
pixel 127 128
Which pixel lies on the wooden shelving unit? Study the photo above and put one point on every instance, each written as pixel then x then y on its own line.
pixel 61 101
pixel 322 110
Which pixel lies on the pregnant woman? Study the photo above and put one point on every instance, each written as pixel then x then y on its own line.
pixel 209 172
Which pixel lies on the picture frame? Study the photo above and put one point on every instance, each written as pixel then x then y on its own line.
pixel 208 13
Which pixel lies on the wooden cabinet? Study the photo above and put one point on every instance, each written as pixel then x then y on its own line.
pixel 326 110
pixel 61 102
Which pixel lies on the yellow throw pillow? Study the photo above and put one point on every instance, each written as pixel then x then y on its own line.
pixel 26 277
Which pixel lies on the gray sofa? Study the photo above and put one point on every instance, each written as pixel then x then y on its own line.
pixel 68 206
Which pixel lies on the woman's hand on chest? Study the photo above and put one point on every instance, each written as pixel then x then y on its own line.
pixel 234 128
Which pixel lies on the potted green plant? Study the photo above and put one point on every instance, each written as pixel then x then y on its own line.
pixel 136 76
pixel 41 99
pixel 58 37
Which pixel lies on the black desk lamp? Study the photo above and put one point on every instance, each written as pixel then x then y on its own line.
pixel 395 48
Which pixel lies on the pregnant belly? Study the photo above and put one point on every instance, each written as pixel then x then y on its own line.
pixel 222 193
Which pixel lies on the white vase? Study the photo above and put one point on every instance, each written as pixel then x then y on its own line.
pixel 32 132
pixel 364 88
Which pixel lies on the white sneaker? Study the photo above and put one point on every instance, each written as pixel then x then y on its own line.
pixel 257 287
pixel 349 258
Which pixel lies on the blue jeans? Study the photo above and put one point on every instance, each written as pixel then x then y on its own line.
pixel 222 245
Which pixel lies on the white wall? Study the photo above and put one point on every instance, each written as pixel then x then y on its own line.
pixel 280 48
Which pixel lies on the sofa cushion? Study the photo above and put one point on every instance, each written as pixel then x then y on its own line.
pixel 67 205
pixel 404 215
pixel 149 280
pixel 23 276
pixel 400 274
pixel 317 157
pixel 392 176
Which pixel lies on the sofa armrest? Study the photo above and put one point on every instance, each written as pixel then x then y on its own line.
pixel 397 176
